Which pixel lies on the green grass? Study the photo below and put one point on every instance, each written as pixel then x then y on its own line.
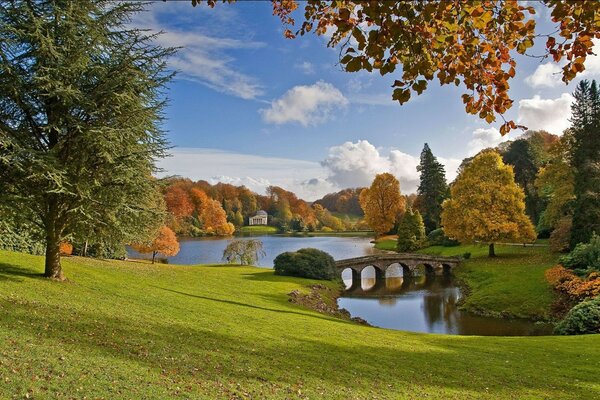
pixel 137 331
pixel 511 284
pixel 263 229
pixel 386 244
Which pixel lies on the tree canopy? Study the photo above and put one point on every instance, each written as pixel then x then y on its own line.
pixel 81 96
pixel 486 205
pixel 382 203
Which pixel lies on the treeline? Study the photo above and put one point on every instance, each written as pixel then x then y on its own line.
pixel 201 209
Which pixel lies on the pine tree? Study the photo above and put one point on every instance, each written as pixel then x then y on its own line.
pixel 433 188
pixel 81 96
pixel 586 162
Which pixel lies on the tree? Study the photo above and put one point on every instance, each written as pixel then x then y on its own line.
pixel 165 243
pixel 382 203
pixel 81 96
pixel 458 42
pixel 522 158
pixel 432 188
pixel 486 205
pixel 411 232
pixel 586 162
pixel 555 185
pixel 244 252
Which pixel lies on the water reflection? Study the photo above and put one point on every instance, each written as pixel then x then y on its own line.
pixel 426 303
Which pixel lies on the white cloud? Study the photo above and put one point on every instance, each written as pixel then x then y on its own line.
pixel 255 172
pixel 551 115
pixel 549 74
pixel 308 105
pixel 484 138
pixel 356 164
pixel 203 58
pixel 305 67
pixel 545 75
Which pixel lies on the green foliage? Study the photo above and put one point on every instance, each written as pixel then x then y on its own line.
pixel 433 188
pixel 306 263
pixel 81 97
pixel 582 319
pixel 411 232
pixel 244 252
pixel 586 162
pixel 584 258
pixel 437 237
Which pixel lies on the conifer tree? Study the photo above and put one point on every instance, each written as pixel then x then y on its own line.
pixel 411 232
pixel 586 162
pixel 433 188
pixel 81 95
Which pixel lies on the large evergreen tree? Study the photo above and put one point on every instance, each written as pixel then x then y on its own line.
pixel 433 188
pixel 586 161
pixel 80 106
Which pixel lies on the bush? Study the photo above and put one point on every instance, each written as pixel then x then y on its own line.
pixel 585 258
pixel 437 237
pixel 583 318
pixel 306 263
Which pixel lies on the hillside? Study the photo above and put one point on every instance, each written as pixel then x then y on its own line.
pixel 133 330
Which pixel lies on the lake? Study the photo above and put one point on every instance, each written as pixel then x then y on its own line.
pixel 427 304
pixel 210 250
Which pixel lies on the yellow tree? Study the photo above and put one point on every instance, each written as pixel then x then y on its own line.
pixel 382 203
pixel 486 205
pixel 165 243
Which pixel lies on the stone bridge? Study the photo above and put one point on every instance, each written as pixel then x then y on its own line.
pixel 433 265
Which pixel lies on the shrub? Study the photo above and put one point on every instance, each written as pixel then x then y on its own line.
pixel 66 248
pixel 437 237
pixel 583 318
pixel 306 263
pixel 585 258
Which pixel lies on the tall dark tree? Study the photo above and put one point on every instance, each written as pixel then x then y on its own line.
pixel 586 161
pixel 81 95
pixel 521 156
pixel 432 190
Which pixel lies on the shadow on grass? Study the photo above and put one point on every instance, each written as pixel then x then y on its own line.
pixel 236 303
pixel 9 272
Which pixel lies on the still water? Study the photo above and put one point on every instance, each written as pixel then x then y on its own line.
pixel 210 250
pixel 426 304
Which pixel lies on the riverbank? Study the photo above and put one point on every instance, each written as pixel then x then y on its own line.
pixel 135 330
pixel 511 285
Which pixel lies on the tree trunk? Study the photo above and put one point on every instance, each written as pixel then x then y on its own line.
pixel 53 269
pixel 492 251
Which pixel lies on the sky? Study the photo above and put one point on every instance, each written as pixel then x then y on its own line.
pixel 252 108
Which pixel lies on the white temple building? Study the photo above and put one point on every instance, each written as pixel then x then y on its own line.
pixel 261 218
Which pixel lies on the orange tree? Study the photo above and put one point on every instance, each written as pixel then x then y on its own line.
pixel 382 203
pixel 486 205
pixel 461 42
pixel 165 243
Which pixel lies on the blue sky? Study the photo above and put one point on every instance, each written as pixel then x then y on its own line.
pixel 251 107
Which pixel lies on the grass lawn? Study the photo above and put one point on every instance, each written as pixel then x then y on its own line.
pixel 133 330
pixel 511 284
pixel 258 229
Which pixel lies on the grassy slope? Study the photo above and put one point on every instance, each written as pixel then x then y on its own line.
pixel 258 229
pixel 132 330
pixel 511 284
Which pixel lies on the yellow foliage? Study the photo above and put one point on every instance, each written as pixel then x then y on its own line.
pixel 486 204
pixel 382 203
